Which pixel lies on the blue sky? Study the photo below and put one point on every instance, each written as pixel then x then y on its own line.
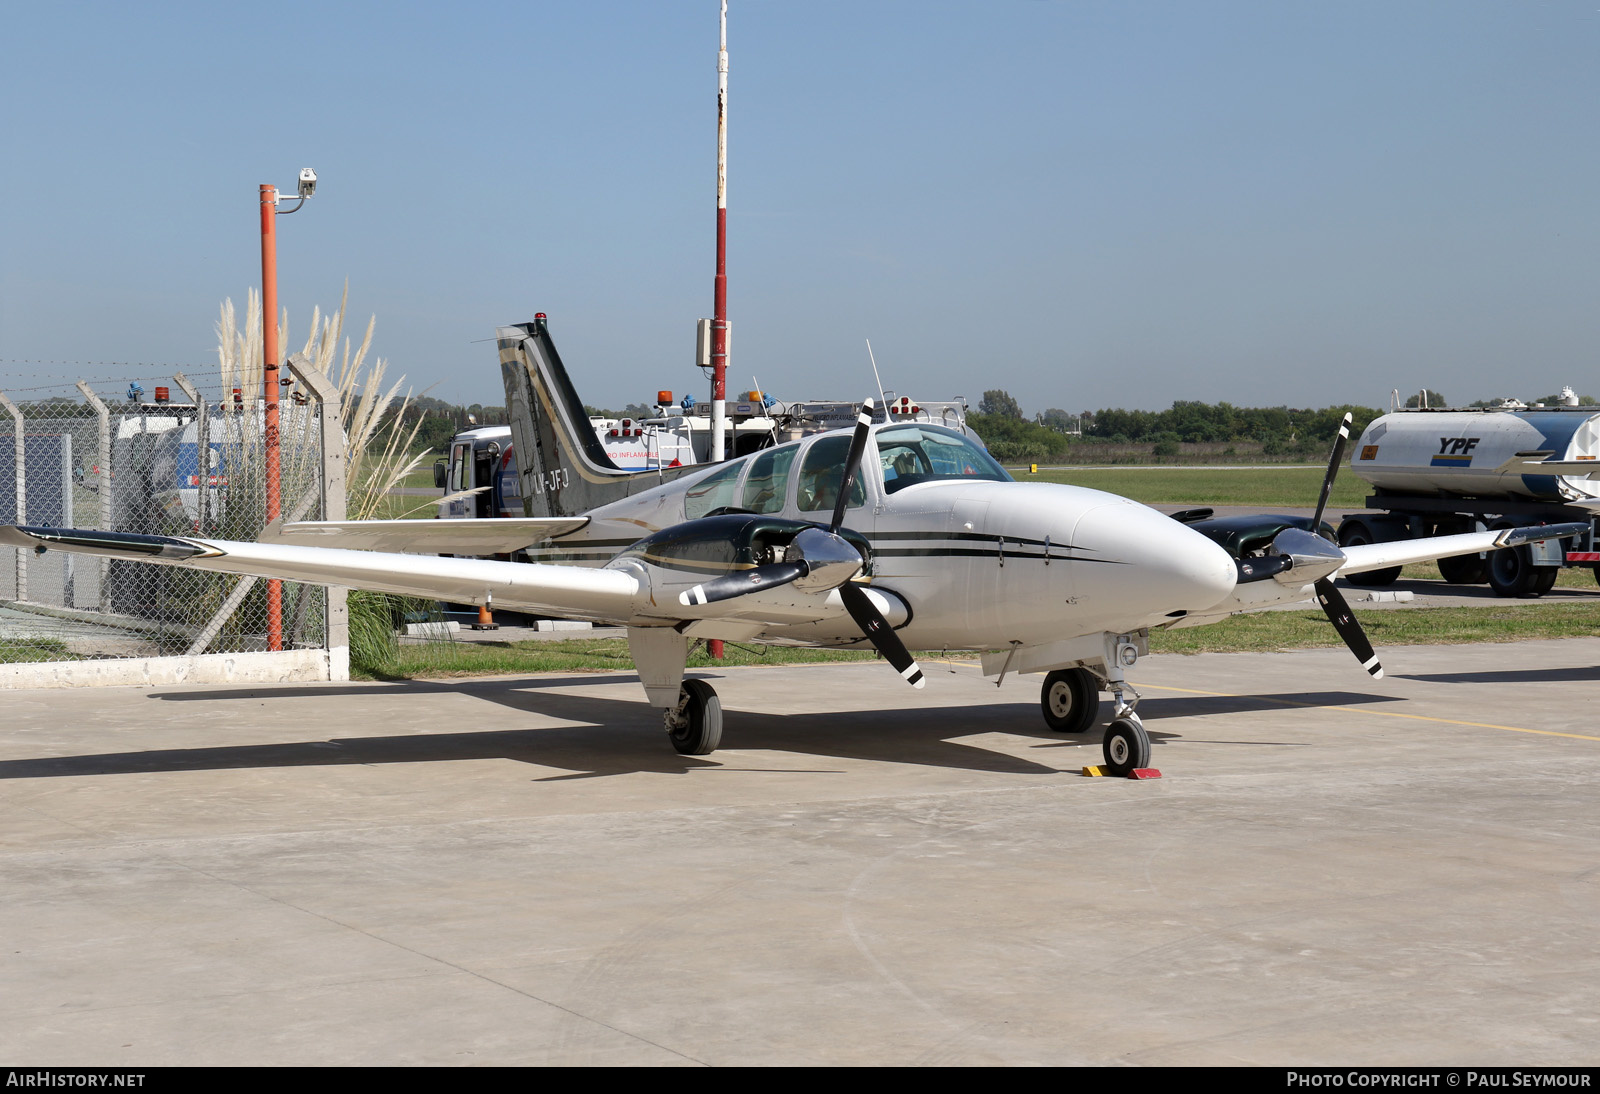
pixel 1088 204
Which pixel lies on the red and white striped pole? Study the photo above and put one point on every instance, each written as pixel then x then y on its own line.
pixel 719 291
pixel 719 308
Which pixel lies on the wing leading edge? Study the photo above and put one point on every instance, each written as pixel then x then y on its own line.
pixel 1378 556
pixel 456 536
pixel 566 591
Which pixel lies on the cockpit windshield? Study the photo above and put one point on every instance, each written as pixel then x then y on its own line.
pixel 910 454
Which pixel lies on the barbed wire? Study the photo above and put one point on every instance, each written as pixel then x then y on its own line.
pixel 8 363
pixel 207 380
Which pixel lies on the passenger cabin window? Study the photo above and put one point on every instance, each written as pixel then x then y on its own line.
pixel 821 473
pixel 910 454
pixel 715 491
pixel 768 484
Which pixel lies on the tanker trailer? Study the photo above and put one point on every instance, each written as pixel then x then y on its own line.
pixel 1440 472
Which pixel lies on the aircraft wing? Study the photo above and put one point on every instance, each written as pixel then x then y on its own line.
pixel 1377 556
pixel 464 536
pixel 567 591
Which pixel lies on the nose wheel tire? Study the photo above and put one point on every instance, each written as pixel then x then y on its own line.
pixel 1070 699
pixel 694 726
pixel 1127 746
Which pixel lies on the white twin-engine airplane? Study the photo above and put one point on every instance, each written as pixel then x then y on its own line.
pixel 898 535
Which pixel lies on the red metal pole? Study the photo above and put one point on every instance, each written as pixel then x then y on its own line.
pixel 269 380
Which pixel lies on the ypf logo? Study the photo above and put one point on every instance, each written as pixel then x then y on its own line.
pixel 1455 452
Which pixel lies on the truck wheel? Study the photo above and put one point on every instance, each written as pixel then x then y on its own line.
pixel 1464 569
pixel 1511 572
pixel 1544 579
pixel 1353 533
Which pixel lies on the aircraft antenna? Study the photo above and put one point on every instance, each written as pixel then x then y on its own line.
pixel 763 394
pixel 883 399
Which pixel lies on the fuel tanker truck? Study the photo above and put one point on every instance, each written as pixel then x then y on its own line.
pixel 1439 472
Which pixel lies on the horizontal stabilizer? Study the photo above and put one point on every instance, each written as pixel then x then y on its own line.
pixel 466 536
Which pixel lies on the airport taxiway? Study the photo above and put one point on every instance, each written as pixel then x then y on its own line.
pixel 1332 870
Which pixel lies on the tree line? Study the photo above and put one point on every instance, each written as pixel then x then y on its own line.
pixel 1274 432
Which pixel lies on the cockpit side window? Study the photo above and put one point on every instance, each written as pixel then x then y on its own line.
pixel 768 484
pixel 910 454
pixel 715 491
pixel 821 472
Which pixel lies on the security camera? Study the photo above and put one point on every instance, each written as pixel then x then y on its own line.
pixel 308 182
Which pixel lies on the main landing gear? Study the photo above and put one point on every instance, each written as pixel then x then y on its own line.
pixel 690 709
pixel 694 726
pixel 1070 699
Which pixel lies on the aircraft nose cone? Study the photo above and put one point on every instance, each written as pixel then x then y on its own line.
pixel 1164 565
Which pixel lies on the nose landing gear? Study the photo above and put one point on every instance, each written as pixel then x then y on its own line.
pixel 1126 745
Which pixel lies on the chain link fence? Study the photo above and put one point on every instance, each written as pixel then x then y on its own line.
pixel 185 459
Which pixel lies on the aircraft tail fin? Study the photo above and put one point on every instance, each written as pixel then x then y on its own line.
pixel 562 467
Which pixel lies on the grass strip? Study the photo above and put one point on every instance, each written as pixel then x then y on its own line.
pixel 447 659
pixel 1268 631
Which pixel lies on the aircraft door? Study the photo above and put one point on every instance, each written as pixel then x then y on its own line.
pixel 977 569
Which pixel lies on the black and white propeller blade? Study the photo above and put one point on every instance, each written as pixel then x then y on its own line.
pixel 852 463
pixel 1332 600
pixel 1344 621
pixel 769 576
pixel 1333 471
pixel 879 633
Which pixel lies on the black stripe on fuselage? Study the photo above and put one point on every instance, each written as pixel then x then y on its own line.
pixel 968 537
pixel 992 552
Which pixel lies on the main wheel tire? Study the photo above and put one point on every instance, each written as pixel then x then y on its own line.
pixel 697 728
pixel 1464 569
pixel 1070 699
pixel 1126 747
pixel 1512 572
pixel 1353 533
